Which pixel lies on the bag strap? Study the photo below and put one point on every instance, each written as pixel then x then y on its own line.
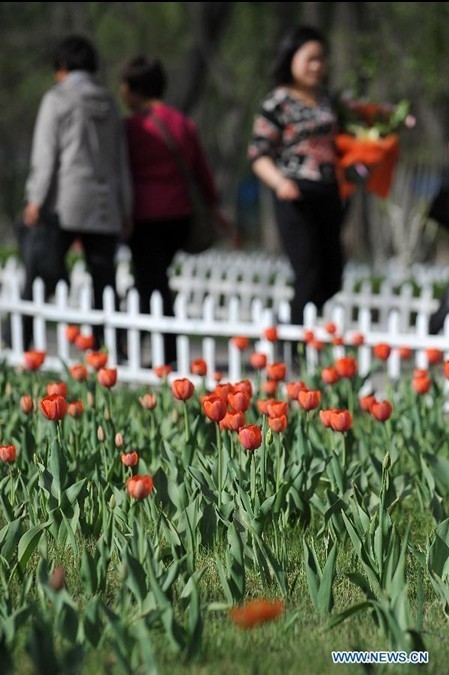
pixel 173 147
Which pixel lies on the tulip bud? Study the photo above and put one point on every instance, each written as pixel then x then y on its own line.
pixel 90 399
pixel 387 462
pixel 8 389
pixel 112 502
pixel 269 437
pixel 106 414
pixel 119 439
pixel 100 434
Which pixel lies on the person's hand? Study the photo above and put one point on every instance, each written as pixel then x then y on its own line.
pixel 287 190
pixel 31 215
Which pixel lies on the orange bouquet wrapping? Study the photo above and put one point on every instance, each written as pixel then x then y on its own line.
pixel 368 147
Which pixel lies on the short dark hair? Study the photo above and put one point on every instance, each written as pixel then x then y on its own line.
pixel 76 53
pixel 145 75
pixel 289 46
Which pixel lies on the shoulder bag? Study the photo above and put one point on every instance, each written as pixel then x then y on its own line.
pixel 202 234
pixel 439 206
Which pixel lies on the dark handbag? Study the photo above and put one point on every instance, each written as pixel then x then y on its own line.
pixel 439 206
pixel 41 251
pixel 202 235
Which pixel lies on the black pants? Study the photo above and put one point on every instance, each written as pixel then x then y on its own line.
pixel 99 251
pixel 310 232
pixel 153 246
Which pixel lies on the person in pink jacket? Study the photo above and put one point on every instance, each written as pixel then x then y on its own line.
pixel 162 207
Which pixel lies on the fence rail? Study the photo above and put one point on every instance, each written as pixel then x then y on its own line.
pixel 204 328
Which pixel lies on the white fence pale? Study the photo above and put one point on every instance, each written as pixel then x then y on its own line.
pixel 204 326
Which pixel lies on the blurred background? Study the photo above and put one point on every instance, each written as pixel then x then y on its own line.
pixel 218 56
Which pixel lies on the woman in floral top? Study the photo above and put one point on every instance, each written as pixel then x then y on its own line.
pixel 292 151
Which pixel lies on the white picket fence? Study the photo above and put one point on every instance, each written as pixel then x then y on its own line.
pixel 204 324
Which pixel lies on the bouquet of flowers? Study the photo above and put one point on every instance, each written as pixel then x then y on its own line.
pixel 368 145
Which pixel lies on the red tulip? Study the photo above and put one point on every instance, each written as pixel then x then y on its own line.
pixel 316 344
pixel 162 371
pixel 405 353
pixel 54 407
pixel 233 421
pixel 308 336
pixel 270 387
pixel 258 360
pixel 250 437
pixel 325 417
pixel 26 404
pixel 422 384
pixel 198 367
pixel 382 351
pixel 84 342
pixel 222 390
pixel 446 370
pixel 330 375
pixel 214 407
pixel 182 389
pixel 277 408
pixel 239 400
pixel 244 385
pixel 78 372
pixel 293 389
pixel 337 341
pixel 262 405
pixel 276 371
pixel 97 360
pixel 241 342
pixel 256 612
pixel 34 359
pixel 309 400
pixel 8 453
pixel 130 458
pixel 58 388
pixel 139 487
pixel 434 356
pixel 107 377
pixel 341 420
pixel 278 424
pixel 358 339
pixel 271 334
pixel 366 402
pixel 346 366
pixel 381 410
pixel 330 328
pixel 75 409
pixel 71 333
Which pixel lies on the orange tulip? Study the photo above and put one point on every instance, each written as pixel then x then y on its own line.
pixel 54 407
pixel 107 377
pixel 276 371
pixel 422 383
pixel 130 458
pixel 233 421
pixel 258 360
pixel 330 375
pixel 78 372
pixel 26 404
pixel 198 367
pixel 239 400
pixel 271 334
pixel 58 388
pixel 330 328
pixel 381 410
pixel 309 400
pixel 214 407
pixel 382 351
pixel 405 353
pixel 148 401
pixel 139 487
pixel 341 420
pixel 434 356
pixel 337 341
pixel 325 417
pixel 293 389
pixel 241 342
pixel 346 366
pixel 75 409
pixel 308 336
pixel 8 453
pixel 277 408
pixel 262 405
pixel 71 333
pixel 256 612
pixel 366 402
pixel 244 385
pixel 318 345
pixel 358 339
pixel 222 390
pixel 34 359
pixel 97 360
pixel 270 387
pixel 182 389
pixel 278 424
pixel 250 437
pixel 162 371
pixel 446 370
pixel 84 342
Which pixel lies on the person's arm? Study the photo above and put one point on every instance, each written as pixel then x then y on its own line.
pixel 44 155
pixel 267 171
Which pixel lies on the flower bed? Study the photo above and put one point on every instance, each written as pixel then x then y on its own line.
pixel 176 529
